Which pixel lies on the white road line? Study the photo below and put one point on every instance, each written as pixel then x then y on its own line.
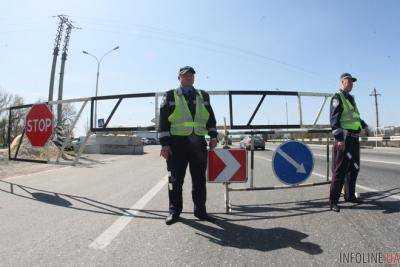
pixel 367 160
pixel 33 173
pixel 62 167
pixel 366 188
pixel 104 239
pixel 258 157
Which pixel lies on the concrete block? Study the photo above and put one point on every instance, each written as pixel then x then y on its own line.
pixel 121 149
pixel 114 144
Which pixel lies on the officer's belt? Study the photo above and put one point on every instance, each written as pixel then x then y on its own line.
pixel 355 135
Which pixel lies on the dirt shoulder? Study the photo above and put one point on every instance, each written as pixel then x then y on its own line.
pixel 16 168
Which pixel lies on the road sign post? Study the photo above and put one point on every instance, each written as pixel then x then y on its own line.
pixel 39 125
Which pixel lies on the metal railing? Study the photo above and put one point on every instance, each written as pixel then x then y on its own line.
pixel 156 95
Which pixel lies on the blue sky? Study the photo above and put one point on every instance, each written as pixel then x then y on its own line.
pixel 237 45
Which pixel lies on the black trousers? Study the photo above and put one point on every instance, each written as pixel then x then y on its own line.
pixel 192 151
pixel 344 172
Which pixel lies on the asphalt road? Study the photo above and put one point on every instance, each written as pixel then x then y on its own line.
pixel 112 213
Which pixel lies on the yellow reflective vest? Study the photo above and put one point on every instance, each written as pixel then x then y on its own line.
pixel 182 122
pixel 350 118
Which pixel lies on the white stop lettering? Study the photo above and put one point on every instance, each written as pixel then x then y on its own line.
pixel 38 125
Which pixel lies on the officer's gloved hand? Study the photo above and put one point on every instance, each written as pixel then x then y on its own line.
pixel 213 143
pixel 367 131
pixel 165 152
pixel 341 145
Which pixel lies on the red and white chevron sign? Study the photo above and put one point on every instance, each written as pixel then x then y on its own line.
pixel 227 165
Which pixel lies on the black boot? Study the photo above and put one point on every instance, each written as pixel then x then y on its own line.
pixel 171 218
pixel 354 200
pixel 204 217
pixel 334 207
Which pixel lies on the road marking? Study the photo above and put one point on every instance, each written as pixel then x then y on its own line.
pixel 57 167
pixel 366 160
pixel 104 239
pixel 366 150
pixel 366 188
pixel 33 173
pixel 258 157
pixel 369 160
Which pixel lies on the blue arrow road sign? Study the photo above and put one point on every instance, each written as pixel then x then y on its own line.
pixel 292 162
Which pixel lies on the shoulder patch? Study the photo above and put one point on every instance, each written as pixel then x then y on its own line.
pixel 164 100
pixel 335 102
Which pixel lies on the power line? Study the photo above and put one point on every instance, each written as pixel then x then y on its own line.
pixel 176 35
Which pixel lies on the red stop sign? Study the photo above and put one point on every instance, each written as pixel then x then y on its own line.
pixel 39 125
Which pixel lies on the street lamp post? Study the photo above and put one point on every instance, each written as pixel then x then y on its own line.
pixel 97 77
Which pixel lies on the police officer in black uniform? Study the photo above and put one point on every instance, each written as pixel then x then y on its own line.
pixel 186 117
pixel 346 127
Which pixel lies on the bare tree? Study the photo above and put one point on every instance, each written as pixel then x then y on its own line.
pixel 5 99
pixel 64 129
pixel 18 115
pixel 67 117
pixel 8 100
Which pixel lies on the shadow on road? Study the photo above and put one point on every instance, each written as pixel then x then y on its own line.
pixel 287 209
pixel 52 199
pixel 379 200
pixel 60 199
pixel 372 201
pixel 244 237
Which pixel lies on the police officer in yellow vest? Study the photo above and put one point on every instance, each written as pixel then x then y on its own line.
pixel 346 127
pixel 186 117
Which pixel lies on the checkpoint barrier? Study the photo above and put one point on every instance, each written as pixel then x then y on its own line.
pixel 63 141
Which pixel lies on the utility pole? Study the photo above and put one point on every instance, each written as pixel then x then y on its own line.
pixel 62 69
pixel 56 49
pixel 375 94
